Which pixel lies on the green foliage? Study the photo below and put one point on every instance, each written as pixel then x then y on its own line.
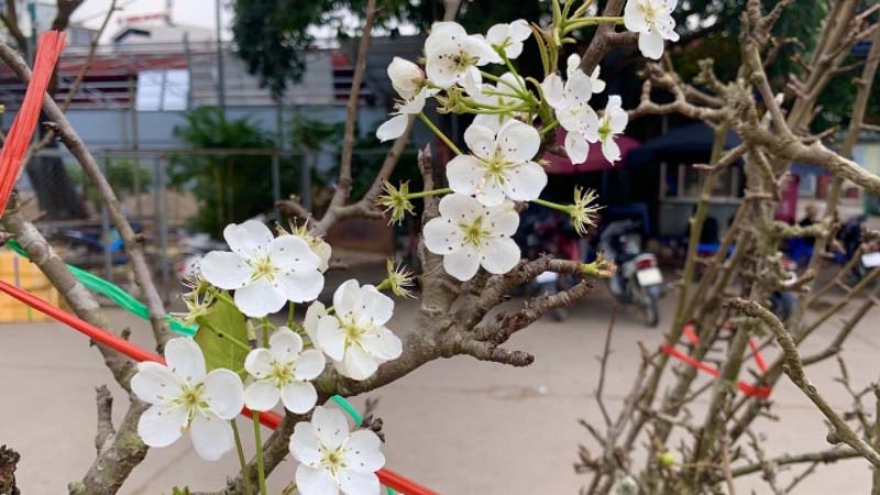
pixel 121 174
pixel 230 187
pixel 310 135
pixel 230 349
pixel 180 491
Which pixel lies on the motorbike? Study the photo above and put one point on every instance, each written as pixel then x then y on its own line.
pixel 550 234
pixel 638 279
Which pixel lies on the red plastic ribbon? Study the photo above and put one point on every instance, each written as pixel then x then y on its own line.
pixel 269 419
pixel 746 388
pixel 14 148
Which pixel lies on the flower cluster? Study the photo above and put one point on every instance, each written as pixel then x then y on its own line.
pixel 266 272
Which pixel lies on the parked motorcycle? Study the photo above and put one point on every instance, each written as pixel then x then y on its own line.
pixel 554 235
pixel 638 279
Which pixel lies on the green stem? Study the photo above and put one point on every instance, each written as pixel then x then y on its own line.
pixel 220 333
pixel 291 308
pixel 244 467
pixel 492 77
pixel 589 21
pixel 512 69
pixel 225 299
pixel 550 204
pixel 261 473
pixel 432 192
pixel 439 133
pixel 549 127
pixel 266 326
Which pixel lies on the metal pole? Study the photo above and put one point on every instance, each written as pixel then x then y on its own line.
pixel 138 203
pixel 187 53
pixel 221 76
pixel 105 230
pixel 162 217
pixel 276 157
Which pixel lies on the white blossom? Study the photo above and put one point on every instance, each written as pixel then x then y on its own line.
pixel 453 57
pixel 407 78
pixel 331 458
pixel 612 123
pixel 503 95
pixel 394 127
pixel 509 37
pixel 354 336
pixel 265 272
pixel 469 235
pixel 283 371
pixel 571 102
pixel 652 19
pixel 501 165
pixel 183 398
pixel 318 245
pixel 574 64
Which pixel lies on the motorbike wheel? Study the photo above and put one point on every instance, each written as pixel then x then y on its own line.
pixel 651 311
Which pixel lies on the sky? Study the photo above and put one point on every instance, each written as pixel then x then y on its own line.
pixel 199 13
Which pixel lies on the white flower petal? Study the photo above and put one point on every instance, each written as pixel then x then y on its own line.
pixel 185 359
pixel 285 345
pixel 223 393
pixel 353 483
pixel 382 343
pixel 471 80
pixel 225 270
pixel 462 264
pixel 519 30
pixel 363 452
pixel 611 150
pixel 617 116
pixel 262 395
pixel 300 286
pixel 492 122
pixel 406 77
pixel 480 140
pixel 525 182
pixel 357 364
pixel 347 299
pixel 441 66
pixel 376 306
pixel 393 128
pixel 155 384
pixel 576 147
pixel 443 32
pixel 460 208
pixel 305 446
pixel 572 64
pixel 578 89
pixel 500 255
pixel 247 238
pixel 634 18
pixel 331 338
pixel 310 323
pixel 519 142
pixel 651 44
pixel 464 173
pixel 258 363
pixel 311 481
pixel 490 193
pixel 299 397
pixel 211 436
pixel 161 426
pixel 442 235
pixel 497 35
pixel 598 84
pixel 259 298
pixel 553 90
pixel 289 253
pixel 330 425
pixel 503 220
pixel 478 47
pixel 309 365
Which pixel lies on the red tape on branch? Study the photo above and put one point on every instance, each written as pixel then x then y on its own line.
pixel 270 420
pixel 746 388
pixel 14 148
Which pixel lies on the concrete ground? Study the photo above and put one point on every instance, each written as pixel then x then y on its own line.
pixel 458 426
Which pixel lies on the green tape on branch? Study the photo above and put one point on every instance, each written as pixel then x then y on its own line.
pixel 344 404
pixel 113 292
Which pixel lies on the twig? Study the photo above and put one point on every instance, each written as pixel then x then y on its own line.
pixel 795 370
pixel 603 366
pixel 106 430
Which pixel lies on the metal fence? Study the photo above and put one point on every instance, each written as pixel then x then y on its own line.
pixel 170 194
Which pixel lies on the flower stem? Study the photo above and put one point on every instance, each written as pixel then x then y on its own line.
pixel 589 21
pixel 266 326
pixel 549 127
pixel 439 133
pixel 291 308
pixel 261 473
pixel 225 299
pixel 432 192
pixel 551 204
pixel 512 69
pixel 244 467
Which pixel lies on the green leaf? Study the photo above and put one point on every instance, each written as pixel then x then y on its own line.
pixel 223 338
pixel 180 491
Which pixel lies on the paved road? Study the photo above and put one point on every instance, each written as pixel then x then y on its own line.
pixel 457 425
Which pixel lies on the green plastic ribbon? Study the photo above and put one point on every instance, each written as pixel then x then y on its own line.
pixel 113 292
pixel 127 302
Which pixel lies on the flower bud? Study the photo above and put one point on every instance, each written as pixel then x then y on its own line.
pixel 406 77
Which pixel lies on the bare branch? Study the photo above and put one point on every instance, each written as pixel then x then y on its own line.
pixel 106 430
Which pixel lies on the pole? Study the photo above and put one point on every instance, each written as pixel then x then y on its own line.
pixel 105 230
pixel 136 170
pixel 280 145
pixel 221 76
pixel 162 218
